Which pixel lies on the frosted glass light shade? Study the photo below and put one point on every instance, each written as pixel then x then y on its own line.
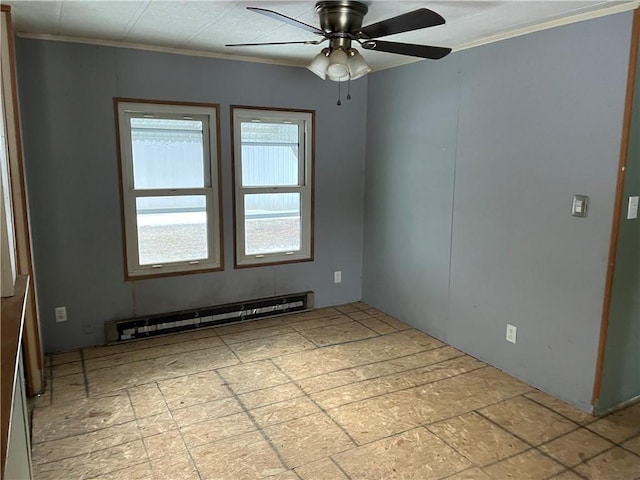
pixel 338 79
pixel 358 66
pixel 319 65
pixel 338 67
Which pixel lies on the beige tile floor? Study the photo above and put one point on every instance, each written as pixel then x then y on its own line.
pixel 335 393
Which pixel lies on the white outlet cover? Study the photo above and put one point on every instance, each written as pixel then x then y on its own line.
pixel 61 314
pixel 579 205
pixel 511 333
pixel 632 210
pixel 337 276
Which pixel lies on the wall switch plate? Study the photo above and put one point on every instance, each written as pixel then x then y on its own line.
pixel 511 333
pixel 632 210
pixel 337 276
pixel 579 205
pixel 61 314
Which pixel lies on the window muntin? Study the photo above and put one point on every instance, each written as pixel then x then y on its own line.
pixel 170 189
pixel 273 185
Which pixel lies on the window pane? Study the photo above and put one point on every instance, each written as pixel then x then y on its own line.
pixel 172 229
pixel 167 153
pixel 272 223
pixel 269 154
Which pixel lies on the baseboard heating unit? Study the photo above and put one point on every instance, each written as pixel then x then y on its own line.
pixel 154 325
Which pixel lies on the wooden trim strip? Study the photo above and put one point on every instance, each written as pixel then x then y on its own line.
pixel 219 187
pixel 34 364
pixel 313 186
pixel 11 328
pixel 233 185
pixel 125 266
pixel 617 210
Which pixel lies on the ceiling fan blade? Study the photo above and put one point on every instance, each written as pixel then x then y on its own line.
pixel 415 20
pixel 411 49
pixel 303 42
pixel 285 19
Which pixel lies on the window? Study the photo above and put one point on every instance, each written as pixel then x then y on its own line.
pixel 273 176
pixel 170 189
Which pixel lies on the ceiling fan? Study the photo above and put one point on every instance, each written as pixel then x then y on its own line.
pixel 341 25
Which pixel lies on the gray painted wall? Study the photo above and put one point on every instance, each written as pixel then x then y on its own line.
pixel 66 93
pixel 621 368
pixel 471 166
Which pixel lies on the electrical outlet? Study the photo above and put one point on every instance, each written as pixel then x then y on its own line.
pixel 632 210
pixel 511 333
pixel 337 276
pixel 61 314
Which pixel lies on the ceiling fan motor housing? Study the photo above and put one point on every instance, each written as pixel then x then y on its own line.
pixel 340 18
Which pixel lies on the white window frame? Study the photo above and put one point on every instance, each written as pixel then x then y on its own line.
pixel 305 120
pixel 209 115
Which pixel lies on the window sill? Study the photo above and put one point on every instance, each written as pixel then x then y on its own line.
pixel 272 263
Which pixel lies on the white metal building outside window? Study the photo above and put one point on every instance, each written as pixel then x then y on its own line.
pixel 170 187
pixel 273 177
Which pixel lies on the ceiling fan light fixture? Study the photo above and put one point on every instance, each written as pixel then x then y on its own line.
pixel 341 25
pixel 338 64
pixel 342 78
pixel 357 65
pixel 320 63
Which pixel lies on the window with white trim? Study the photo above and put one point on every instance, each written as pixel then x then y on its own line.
pixel 273 177
pixel 170 187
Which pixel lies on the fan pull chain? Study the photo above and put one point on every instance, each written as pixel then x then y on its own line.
pixel 349 88
pixel 339 102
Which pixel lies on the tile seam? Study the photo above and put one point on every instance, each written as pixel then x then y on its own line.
pixel 87 431
pixel 547 442
pixel 151 358
pixel 595 419
pixel 396 373
pixel 226 341
pixel 612 447
pixel 89 452
pixel 141 341
pixel 120 470
pixel 140 436
pixel 35 465
pixel 264 436
pixel 425 424
pixel 193 462
pixel 473 464
pixel 362 365
pixel 534 447
pixel 84 376
pixel 409 388
pixel 322 410
pixel 339 467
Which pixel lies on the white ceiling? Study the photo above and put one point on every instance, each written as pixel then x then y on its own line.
pixel 203 27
